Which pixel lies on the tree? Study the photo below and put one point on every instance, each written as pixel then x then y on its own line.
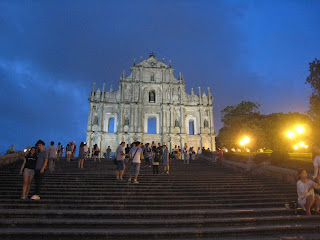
pixel 236 112
pixel 239 121
pixel 314 80
pixel 264 131
pixel 314 112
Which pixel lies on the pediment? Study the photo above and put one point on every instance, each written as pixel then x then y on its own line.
pixel 152 62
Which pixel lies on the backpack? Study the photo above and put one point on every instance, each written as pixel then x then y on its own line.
pixel 157 157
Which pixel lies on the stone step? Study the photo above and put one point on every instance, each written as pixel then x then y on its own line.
pixel 155 201
pixel 130 195
pixel 195 201
pixel 202 213
pixel 158 233
pixel 143 205
pixel 152 222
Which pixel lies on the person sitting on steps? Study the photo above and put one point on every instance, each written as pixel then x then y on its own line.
pixel 305 189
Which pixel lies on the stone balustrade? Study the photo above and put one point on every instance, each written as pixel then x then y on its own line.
pixel 11 158
pixel 261 170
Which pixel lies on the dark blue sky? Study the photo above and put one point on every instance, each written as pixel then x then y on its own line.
pixel 51 52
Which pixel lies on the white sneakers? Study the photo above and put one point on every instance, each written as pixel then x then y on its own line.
pixel 134 181
pixel 35 197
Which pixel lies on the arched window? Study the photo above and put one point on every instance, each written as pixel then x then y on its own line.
pixel 152 96
pixel 152 125
pixel 111 125
pixel 191 127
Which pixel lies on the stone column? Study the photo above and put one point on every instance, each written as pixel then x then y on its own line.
pixel 89 128
pixel 121 118
pixel 170 120
pixel 131 124
pixel 211 120
pixel 182 120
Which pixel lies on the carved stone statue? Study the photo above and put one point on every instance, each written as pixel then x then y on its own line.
pixel 176 123
pixel 126 122
pixel 206 123
pixel 152 97
pixel 95 120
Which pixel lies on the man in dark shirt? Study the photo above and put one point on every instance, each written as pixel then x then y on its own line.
pixel 42 162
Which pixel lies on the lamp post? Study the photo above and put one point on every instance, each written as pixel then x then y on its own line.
pixel 244 141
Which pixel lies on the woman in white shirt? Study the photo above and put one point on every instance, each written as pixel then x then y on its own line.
pixel 305 189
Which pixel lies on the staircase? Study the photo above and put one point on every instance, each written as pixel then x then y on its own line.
pixel 195 201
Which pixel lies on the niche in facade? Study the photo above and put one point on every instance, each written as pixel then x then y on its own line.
pixel 152 96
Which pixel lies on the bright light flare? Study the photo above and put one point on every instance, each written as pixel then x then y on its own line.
pixel 241 142
pixel 301 144
pixel 299 129
pixel 295 147
pixel 246 140
pixel 306 146
pixel 290 134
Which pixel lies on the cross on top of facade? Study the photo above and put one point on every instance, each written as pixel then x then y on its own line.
pixel 152 54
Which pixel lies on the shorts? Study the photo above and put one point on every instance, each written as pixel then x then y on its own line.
pixel 120 165
pixel 68 152
pixel 28 172
pixel 135 168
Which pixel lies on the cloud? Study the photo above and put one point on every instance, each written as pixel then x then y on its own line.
pixel 38 106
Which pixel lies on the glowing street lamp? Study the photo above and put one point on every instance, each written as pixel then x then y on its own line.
pixel 290 134
pixel 244 141
pixel 299 129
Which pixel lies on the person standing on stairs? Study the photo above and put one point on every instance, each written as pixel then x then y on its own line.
pixel 52 156
pixel 165 159
pixel 136 154
pixel 120 155
pixel 81 155
pixel 41 165
pixel 155 159
pixel 27 169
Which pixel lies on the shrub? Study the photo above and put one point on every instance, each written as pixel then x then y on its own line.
pixel 261 157
pixel 278 157
pixel 239 157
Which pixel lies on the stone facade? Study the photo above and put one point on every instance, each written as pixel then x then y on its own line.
pixel 151 91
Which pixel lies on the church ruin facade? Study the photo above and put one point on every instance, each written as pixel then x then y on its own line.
pixel 150 95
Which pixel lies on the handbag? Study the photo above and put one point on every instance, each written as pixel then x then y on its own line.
pixel 130 159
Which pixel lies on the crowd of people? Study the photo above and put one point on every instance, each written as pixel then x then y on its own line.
pixel 39 157
pixel 133 156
